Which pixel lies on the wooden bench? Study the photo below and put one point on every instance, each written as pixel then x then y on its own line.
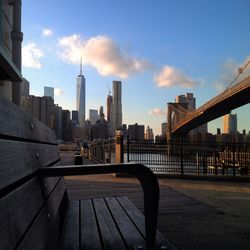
pixel 35 210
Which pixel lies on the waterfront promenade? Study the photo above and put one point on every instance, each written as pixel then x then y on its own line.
pixel 192 214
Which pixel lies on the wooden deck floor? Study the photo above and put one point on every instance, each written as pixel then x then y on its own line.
pixel 192 214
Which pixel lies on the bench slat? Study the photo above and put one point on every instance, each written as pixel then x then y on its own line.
pixel 108 229
pixel 70 236
pixel 134 213
pixel 138 218
pixel 89 232
pixel 17 211
pixel 19 159
pixel 128 230
pixel 20 208
pixel 45 227
pixel 17 123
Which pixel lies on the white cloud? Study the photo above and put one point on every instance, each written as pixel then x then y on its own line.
pixel 101 53
pixel 47 32
pixel 31 56
pixel 58 92
pixel 157 111
pixel 169 76
pixel 229 72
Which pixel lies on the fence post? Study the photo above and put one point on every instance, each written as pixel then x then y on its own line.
pixel 128 149
pixel 234 158
pixel 204 163
pixel 215 164
pixel 182 170
pixel 119 157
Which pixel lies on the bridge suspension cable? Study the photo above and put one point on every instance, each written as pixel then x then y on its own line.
pixel 240 71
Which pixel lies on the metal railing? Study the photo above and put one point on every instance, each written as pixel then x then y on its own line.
pixel 101 150
pixel 185 157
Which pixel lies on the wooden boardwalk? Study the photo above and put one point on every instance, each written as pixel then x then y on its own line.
pixel 192 214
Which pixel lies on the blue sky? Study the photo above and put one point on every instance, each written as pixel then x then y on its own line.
pixel 158 49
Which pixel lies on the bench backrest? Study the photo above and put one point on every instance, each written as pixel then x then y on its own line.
pixel 31 208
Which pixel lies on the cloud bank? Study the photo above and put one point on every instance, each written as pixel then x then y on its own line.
pixel 170 76
pixel 157 111
pixel 229 72
pixel 31 56
pixel 101 53
pixel 58 92
pixel 47 32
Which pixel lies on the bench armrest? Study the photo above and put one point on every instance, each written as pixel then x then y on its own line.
pixel 142 173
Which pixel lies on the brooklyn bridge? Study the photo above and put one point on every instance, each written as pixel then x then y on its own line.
pixel 180 121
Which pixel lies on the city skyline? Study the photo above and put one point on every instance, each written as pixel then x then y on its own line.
pixel 159 51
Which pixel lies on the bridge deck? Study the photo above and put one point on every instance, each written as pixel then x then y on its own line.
pixel 234 97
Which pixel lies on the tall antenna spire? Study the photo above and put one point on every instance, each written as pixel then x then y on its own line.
pixel 81 67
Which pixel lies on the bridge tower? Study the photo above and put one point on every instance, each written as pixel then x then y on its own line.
pixel 176 112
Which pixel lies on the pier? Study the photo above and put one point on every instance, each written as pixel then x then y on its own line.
pixel 193 214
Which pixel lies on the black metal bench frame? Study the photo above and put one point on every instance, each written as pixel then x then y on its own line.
pixel 143 174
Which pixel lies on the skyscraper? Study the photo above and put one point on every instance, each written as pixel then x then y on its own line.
pixel 149 135
pixel 109 108
pixel 75 116
pixel 117 105
pixel 191 101
pixel 25 88
pixel 49 92
pixel 80 97
pixel 93 116
pixel 230 123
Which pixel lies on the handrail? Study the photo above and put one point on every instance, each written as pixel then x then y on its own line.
pixel 142 173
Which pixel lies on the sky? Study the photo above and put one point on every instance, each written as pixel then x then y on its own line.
pixel 158 49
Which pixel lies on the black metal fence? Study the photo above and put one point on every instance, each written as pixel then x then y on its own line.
pixel 185 157
pixel 102 150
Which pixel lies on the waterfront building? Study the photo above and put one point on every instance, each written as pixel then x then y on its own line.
pixel 46 109
pixel 56 121
pixel 66 125
pixel 230 123
pixel 101 114
pixel 10 50
pixel 109 108
pixel 39 107
pixel 93 116
pixel 80 97
pixel 164 131
pixel 191 101
pixel 49 92
pixel 188 98
pixel 149 135
pixel 75 116
pixel 136 132
pixel 25 88
pixel 117 105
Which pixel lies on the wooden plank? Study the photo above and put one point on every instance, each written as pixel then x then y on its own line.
pixel 134 213
pixel 130 234
pixel 90 238
pixel 38 234
pixel 17 211
pixel 109 233
pixel 20 207
pixel 19 159
pixel 15 122
pixel 45 225
pixel 71 230
pixel 138 218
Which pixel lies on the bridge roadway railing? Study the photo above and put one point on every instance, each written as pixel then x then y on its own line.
pixel 225 94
